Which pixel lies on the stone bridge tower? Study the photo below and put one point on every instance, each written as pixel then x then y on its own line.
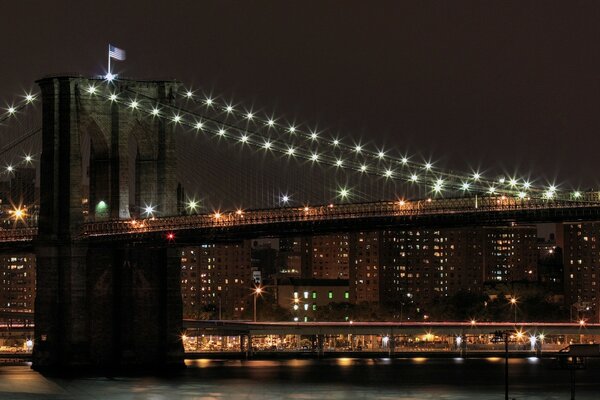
pixel 109 303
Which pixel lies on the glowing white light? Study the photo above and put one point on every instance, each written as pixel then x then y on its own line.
pixel 155 111
pixel 552 188
pixel 404 160
pixel 189 94
pixel 109 77
pixel 113 97
pixel 381 154
pixel 314 136
pixel 549 194
pixel 28 158
pixel 532 341
pixel 267 145
pixel 249 115
pixel 291 151
pixel 229 109
pixel 526 185
pixel 221 132
pixel 29 98
pixel 492 190
pixel 465 186
pixel 577 194
pixel 10 168
pixel 133 104
pixel 437 187
pixel 244 138
pixel 522 195
pixel 192 205
pixel 314 157
pixel 11 110
pixel 476 176
pixel 344 193
pixel 270 122
pixel 414 178
pixel 501 180
pixel 339 163
pixel 208 101
pixel 176 118
pixel 440 181
pixel 428 166
pixel 285 198
pixel 292 129
pixel 91 89
pixel 149 210
pixel 388 173
pixel 358 148
pixel 513 182
pixel 336 142
pixel 199 125
pixel 363 168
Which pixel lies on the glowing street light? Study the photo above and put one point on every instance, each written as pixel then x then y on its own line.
pixel 513 303
pixel 257 292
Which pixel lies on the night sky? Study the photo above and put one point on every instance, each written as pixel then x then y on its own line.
pixel 506 87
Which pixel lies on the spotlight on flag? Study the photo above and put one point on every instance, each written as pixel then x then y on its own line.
pixel 116 54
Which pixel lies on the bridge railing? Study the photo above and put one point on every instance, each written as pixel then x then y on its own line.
pixel 217 220
pixel 327 212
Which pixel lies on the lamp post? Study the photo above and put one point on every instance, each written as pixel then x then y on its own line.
pixel 503 336
pixel 513 303
pixel 257 291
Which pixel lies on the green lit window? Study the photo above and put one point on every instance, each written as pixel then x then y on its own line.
pixel 346 295
pixel 314 295
pixel 330 295
pixel 314 307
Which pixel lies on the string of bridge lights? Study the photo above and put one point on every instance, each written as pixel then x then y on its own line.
pixel 438 180
pixel 11 111
pixel 339 154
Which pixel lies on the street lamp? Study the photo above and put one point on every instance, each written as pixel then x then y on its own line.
pixel 513 303
pixel 257 292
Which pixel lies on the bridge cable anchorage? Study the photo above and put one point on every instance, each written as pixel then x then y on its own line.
pixel 436 180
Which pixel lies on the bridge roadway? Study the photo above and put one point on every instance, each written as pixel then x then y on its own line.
pixel 235 328
pixel 328 218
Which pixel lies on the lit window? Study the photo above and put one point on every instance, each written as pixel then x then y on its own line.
pixel 330 295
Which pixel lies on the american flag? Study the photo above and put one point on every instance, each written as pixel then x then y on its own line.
pixel 116 53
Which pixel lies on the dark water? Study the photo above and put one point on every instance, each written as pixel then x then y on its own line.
pixel 324 379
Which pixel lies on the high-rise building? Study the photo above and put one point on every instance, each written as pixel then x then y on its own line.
pixel 421 264
pixel 581 260
pixel 511 253
pixel 219 277
pixel 328 257
pixel 190 283
pixel 17 287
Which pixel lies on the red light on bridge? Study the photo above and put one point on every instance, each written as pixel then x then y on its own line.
pixel 170 236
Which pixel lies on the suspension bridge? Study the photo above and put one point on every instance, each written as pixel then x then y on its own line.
pixel 113 211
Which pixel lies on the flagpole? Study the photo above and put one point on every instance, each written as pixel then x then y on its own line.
pixel 108 60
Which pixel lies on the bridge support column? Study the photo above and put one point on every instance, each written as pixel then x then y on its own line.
pixel 463 346
pixel 107 308
pixel 320 345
